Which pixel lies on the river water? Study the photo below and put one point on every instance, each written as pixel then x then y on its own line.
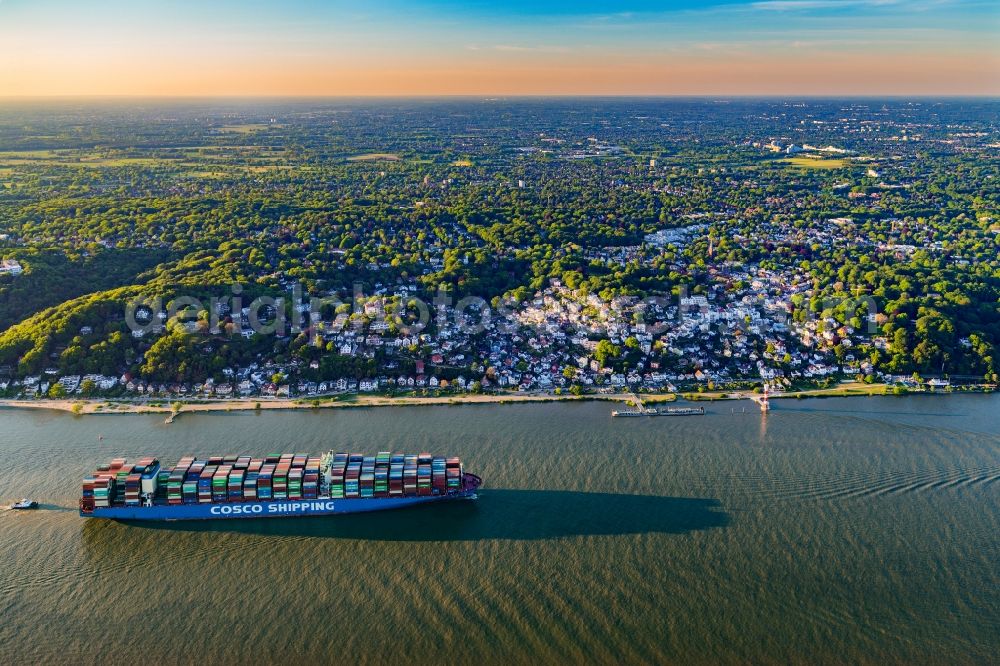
pixel 850 530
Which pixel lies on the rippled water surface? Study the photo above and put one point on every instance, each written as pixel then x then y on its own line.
pixel 840 530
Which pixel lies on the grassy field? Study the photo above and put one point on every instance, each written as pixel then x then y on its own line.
pixel 51 158
pixel 842 389
pixel 371 157
pixel 28 154
pixel 206 174
pixel 808 162
pixel 118 161
pixel 211 159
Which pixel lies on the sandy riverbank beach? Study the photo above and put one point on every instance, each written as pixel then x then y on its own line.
pixel 167 407
pixel 172 408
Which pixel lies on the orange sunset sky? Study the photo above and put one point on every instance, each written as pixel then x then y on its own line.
pixel 803 47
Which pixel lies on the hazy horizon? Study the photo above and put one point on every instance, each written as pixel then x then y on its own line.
pixel 434 48
pixel 494 96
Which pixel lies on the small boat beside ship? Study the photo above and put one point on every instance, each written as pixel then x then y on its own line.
pixel 24 505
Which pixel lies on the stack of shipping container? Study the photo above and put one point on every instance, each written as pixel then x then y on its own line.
pixel 251 480
pixel 133 475
pixel 396 461
pixel 133 489
pixel 175 480
pixel 205 484
pixel 295 483
pixel 438 477
pixel 234 487
pixel 279 481
pixel 410 475
pixel 454 473
pixel 352 478
pixel 382 473
pixel 189 487
pixel 264 481
pixel 310 478
pixel 368 476
pixel 98 490
pixel 338 472
pixel 219 483
pixel 121 474
pixel 289 476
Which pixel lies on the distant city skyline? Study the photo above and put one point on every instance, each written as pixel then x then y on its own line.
pixel 548 47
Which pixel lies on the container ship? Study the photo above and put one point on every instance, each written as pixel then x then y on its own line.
pixel 274 486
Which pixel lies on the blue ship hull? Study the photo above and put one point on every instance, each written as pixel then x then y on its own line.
pixel 269 509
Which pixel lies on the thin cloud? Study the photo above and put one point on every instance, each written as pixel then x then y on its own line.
pixel 793 5
pixel 529 49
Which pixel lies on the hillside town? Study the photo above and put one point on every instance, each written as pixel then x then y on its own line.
pixel 560 253
pixel 740 331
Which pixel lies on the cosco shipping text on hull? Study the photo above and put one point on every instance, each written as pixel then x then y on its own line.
pixel 321 507
pixel 274 486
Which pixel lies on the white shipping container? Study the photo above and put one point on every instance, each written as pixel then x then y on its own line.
pixel 149 485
